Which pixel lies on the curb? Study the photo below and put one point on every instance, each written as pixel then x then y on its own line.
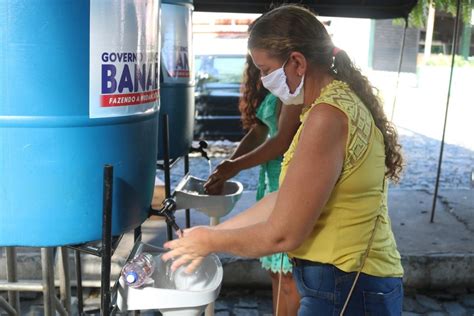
pixel 431 271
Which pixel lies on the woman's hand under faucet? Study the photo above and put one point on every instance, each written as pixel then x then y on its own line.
pixel 214 186
pixel 190 249
pixel 223 172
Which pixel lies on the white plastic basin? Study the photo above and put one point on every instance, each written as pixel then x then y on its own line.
pixel 190 194
pixel 162 295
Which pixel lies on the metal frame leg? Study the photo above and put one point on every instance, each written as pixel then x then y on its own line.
pixel 59 307
pixel 166 164
pixel 64 279
pixel 186 171
pixel 80 298
pixel 48 281
pixel 106 240
pixel 7 307
pixel 12 276
pixel 137 235
pixel 51 303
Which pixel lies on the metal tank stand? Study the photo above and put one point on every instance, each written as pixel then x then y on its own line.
pixel 51 303
pixel 105 250
pixel 79 294
pixel 13 296
pixel 187 211
pixel 166 166
pixel 62 306
pixel 64 280
pixel 106 241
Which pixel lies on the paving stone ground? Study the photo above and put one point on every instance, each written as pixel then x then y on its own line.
pixel 258 302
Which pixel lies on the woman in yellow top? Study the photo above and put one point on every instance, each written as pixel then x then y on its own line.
pixel 330 213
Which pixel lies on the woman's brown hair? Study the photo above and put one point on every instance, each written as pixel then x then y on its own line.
pixel 252 92
pixel 290 28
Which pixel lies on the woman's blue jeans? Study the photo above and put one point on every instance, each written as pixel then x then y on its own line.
pixel 324 288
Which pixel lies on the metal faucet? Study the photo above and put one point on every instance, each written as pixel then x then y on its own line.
pixel 201 149
pixel 167 208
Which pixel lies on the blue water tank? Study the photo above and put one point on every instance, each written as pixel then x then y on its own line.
pixel 177 78
pixel 79 84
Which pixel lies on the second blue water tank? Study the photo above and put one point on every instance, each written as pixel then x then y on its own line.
pixel 177 87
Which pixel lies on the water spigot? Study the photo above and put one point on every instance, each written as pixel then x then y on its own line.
pixel 167 208
pixel 201 149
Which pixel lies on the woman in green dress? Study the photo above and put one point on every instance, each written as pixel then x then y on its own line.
pixel 264 144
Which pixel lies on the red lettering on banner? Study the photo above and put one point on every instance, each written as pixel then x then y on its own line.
pixel 182 73
pixel 108 100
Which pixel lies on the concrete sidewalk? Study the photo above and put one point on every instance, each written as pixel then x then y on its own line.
pixel 434 255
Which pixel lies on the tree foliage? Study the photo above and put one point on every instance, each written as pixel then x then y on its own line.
pixel 419 14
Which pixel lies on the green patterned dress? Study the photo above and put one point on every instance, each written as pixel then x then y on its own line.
pixel 269 177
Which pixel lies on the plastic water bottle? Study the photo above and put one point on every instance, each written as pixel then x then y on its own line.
pixel 138 271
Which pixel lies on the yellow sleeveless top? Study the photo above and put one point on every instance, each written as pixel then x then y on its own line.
pixel 342 232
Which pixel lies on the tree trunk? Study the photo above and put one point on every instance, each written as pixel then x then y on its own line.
pixel 429 32
pixel 466 36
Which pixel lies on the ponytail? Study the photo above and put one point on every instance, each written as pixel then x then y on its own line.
pixel 344 70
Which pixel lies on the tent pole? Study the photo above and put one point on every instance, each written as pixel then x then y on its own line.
pixel 453 55
pixel 400 61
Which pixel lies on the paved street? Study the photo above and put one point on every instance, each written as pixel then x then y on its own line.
pixel 250 302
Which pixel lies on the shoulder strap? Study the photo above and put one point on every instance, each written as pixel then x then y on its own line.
pixel 367 250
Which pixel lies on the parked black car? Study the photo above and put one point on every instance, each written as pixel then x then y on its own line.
pixel 218 80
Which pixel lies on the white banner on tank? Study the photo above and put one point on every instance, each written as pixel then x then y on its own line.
pixel 124 63
pixel 176 32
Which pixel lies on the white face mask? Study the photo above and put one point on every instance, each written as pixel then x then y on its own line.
pixel 275 82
